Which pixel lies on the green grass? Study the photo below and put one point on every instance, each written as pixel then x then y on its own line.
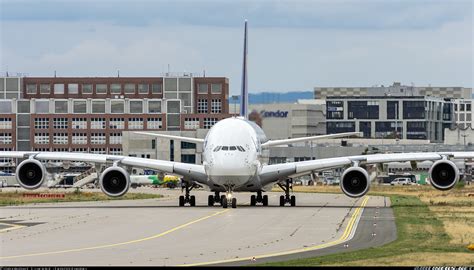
pixel 16 198
pixel 418 230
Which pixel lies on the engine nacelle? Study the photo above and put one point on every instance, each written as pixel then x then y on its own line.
pixel 444 174
pixel 114 181
pixel 30 174
pixel 355 182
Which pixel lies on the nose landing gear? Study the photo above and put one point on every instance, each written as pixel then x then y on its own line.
pixel 287 199
pixel 228 199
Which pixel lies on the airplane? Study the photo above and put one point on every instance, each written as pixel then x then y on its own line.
pixel 235 159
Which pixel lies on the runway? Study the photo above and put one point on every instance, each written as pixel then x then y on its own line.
pixel 157 232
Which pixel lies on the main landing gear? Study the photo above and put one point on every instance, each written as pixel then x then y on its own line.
pixel 287 199
pixel 259 199
pixel 228 200
pixel 213 199
pixel 187 199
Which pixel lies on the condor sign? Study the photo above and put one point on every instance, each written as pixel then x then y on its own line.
pixel 278 114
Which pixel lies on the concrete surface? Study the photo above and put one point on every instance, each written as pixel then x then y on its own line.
pixel 157 232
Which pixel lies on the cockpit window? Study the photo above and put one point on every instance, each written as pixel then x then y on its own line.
pixel 229 148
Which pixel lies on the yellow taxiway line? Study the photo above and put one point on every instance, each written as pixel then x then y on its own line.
pixel 12 227
pixel 343 238
pixel 117 244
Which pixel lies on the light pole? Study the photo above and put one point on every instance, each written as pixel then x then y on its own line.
pixel 234 99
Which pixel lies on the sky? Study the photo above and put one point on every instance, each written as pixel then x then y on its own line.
pixel 293 45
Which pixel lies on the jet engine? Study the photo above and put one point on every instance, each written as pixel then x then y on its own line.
pixel 444 174
pixel 114 181
pixel 355 182
pixel 30 174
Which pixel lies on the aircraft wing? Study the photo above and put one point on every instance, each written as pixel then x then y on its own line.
pixel 311 138
pixel 188 171
pixel 278 172
pixel 171 137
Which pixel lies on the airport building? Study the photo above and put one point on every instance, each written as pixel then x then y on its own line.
pixel 90 114
pixel 454 92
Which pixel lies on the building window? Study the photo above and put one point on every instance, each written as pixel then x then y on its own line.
pixel 60 106
pixel 98 123
pixel 73 88
pixel 156 88
pixel 5 123
pixel 188 145
pixel 136 106
pixel 97 138
pixel 45 88
pixel 79 150
pixel 60 123
pixel 154 106
pixel 413 109
pixel 202 88
pixel 363 109
pixel 191 123
pixel 335 109
pixel 98 106
pixel 468 107
pixel 216 106
pixel 388 130
pixel 130 88
pixel 41 123
pixel 42 106
pixel 202 106
pixel 209 122
pixel 59 88
pixel 98 151
pixel 101 88
pixel 42 138
pixel 154 123
pixel 79 106
pixel 117 106
pixel 143 88
pixel 115 88
pixel 117 123
pixel 216 88
pixel 115 138
pixel 135 123
pixel 79 123
pixel 60 138
pixel 79 138
pixel 115 151
pixel 6 138
pixel 87 88
pixel 31 88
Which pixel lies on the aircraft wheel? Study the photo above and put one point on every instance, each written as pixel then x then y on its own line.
pixel 282 200
pixel 265 200
pixel 253 200
pixel 210 200
pixel 223 198
pixel 192 201
pixel 234 203
pixel 181 201
pixel 224 202
pixel 293 200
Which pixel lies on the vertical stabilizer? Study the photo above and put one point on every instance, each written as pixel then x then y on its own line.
pixel 244 102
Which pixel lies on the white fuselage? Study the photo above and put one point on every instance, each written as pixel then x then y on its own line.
pixel 232 154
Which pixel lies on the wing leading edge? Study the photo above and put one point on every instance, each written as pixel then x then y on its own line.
pixel 278 172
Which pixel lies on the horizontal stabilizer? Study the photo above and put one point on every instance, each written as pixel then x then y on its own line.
pixel 171 137
pixel 312 138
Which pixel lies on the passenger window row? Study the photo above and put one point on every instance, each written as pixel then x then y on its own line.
pixel 229 148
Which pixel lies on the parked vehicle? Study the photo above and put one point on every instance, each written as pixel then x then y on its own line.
pixel 402 181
